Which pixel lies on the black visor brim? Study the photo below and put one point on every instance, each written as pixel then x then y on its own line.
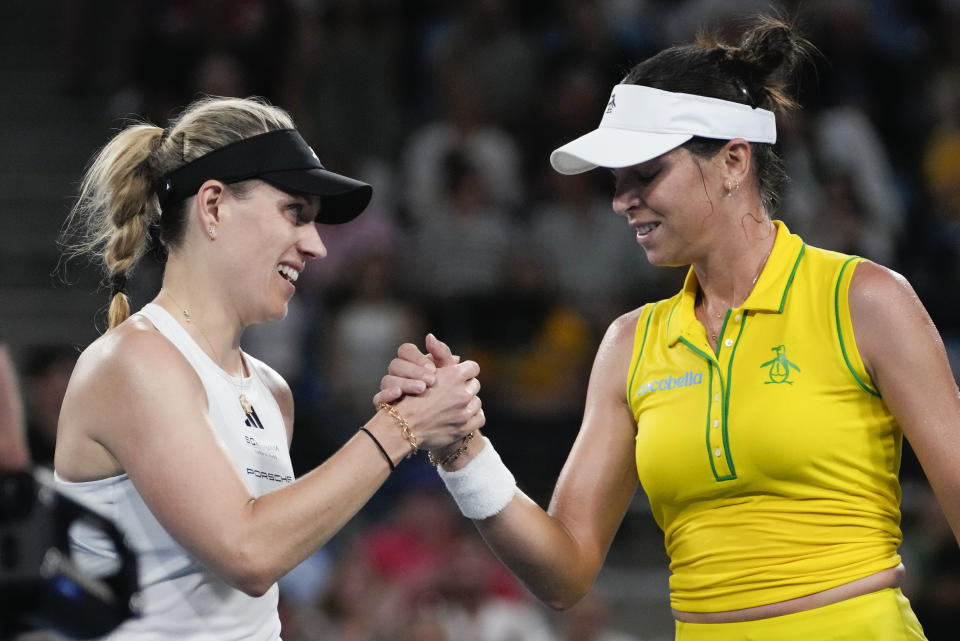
pixel 341 198
pixel 281 158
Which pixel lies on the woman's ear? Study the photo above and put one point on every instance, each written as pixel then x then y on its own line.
pixel 210 198
pixel 735 159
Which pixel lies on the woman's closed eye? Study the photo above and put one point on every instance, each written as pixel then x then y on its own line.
pixel 646 174
pixel 643 174
pixel 300 213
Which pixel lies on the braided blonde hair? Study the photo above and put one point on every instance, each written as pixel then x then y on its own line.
pixel 117 207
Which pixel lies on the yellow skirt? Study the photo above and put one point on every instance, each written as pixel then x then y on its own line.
pixel 879 616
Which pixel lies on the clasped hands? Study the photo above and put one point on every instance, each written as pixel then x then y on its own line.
pixel 437 391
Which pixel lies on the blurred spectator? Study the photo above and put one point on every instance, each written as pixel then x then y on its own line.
pixel 480 42
pixel 303 586
pixel 470 611
pixel 586 47
pixel 368 321
pixel 851 153
pixel 463 131
pixel 377 231
pixel 358 605
pixel 381 575
pixel 803 201
pixel 600 285
pixel 572 94
pixel 535 361
pixel 410 547
pixel 46 372
pixel 461 253
pixel 349 79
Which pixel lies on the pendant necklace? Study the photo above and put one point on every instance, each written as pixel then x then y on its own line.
pixel 242 385
pixel 703 300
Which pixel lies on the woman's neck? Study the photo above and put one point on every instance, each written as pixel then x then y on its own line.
pixel 728 274
pixel 208 323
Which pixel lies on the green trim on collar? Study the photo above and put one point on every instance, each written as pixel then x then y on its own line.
pixel 682 330
pixel 769 294
pixel 793 272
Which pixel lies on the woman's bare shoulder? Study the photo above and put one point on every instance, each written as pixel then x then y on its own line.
pixel 115 389
pixel 133 347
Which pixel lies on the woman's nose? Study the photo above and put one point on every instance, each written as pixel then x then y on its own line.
pixel 311 244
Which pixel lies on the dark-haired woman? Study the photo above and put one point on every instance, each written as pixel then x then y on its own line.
pixel 761 408
pixel 167 426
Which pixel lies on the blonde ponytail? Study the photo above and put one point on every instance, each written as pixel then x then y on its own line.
pixel 116 206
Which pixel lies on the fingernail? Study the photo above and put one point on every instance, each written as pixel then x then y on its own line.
pixel 430 366
pixel 430 379
pixel 419 386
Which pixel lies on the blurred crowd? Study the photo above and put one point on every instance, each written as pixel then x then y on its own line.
pixel 450 110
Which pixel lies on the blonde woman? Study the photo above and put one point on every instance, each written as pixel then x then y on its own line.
pixel 168 427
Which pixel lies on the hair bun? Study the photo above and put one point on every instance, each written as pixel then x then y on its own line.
pixel 769 53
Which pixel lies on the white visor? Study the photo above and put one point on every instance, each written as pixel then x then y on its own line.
pixel 641 123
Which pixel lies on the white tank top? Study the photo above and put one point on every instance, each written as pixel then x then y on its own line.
pixel 181 599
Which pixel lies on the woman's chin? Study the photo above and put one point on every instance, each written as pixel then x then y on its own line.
pixel 274 313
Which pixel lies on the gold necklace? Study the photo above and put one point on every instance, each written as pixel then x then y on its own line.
pixel 242 385
pixel 709 325
pixel 703 299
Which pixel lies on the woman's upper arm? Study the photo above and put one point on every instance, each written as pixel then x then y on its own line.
pixel 599 478
pixel 904 354
pixel 143 402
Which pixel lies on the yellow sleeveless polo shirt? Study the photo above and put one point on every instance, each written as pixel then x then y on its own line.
pixel 771 465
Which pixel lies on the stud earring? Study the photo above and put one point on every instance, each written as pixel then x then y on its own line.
pixel 730 187
pixel 212 231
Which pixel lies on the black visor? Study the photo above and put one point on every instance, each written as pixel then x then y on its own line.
pixel 283 159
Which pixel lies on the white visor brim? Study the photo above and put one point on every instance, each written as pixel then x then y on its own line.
pixel 641 123
pixel 613 148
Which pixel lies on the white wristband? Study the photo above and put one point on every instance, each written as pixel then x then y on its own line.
pixel 482 487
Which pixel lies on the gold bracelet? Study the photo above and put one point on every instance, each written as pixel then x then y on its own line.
pixel 404 427
pixel 464 444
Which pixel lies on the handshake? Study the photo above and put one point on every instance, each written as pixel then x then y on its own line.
pixel 437 385
pixel 435 396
